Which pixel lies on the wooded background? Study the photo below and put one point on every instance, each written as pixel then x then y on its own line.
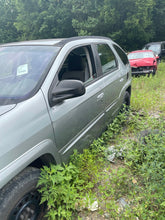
pixel 131 23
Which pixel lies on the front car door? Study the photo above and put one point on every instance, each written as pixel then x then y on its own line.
pixel 79 120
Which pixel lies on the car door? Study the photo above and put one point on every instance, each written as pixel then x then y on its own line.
pixel 124 65
pixel 77 121
pixel 113 79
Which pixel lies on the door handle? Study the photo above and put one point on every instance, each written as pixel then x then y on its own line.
pixel 100 96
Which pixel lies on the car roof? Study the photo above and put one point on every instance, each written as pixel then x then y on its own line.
pixel 34 42
pixel 158 42
pixel 51 42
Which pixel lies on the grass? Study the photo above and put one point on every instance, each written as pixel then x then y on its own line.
pixel 148 93
pixel 130 187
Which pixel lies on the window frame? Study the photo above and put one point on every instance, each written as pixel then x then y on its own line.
pixel 92 55
pixel 98 60
pixel 119 55
pixel 90 62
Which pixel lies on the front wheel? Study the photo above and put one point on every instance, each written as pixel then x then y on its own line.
pixel 20 199
pixel 154 72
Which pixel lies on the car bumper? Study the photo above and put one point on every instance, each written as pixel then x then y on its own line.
pixel 143 72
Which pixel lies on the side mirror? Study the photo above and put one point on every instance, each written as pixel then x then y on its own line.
pixel 66 89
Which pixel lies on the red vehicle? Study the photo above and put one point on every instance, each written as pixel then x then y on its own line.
pixel 143 62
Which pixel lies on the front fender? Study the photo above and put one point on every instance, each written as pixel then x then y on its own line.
pixel 16 166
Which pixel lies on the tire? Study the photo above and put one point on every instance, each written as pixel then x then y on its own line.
pixel 154 72
pixel 20 199
pixel 126 102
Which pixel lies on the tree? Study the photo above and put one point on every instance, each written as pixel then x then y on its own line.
pixel 129 22
pixel 85 16
pixel 57 18
pixel 8 14
pixel 44 19
pixel 159 20
pixel 27 22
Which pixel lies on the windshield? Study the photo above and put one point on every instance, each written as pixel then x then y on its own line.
pixel 21 69
pixel 154 47
pixel 140 55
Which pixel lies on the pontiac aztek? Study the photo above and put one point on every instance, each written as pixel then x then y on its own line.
pixel 56 95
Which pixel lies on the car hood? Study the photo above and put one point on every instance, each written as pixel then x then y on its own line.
pixel 142 62
pixel 6 108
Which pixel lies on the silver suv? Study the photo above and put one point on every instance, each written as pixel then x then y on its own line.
pixel 55 95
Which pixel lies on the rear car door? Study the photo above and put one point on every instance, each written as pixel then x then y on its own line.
pixel 113 78
pixel 77 121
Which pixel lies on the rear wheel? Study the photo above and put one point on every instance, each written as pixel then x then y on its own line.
pixel 126 101
pixel 20 199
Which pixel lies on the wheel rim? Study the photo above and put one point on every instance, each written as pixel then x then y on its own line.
pixel 27 208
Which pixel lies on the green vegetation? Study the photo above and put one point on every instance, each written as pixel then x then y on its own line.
pixel 148 93
pixel 131 23
pixel 130 187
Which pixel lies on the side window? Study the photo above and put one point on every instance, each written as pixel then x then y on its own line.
pixel 78 65
pixel 107 58
pixel 121 54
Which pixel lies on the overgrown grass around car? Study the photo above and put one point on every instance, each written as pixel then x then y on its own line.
pixel 132 185
pixel 148 92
